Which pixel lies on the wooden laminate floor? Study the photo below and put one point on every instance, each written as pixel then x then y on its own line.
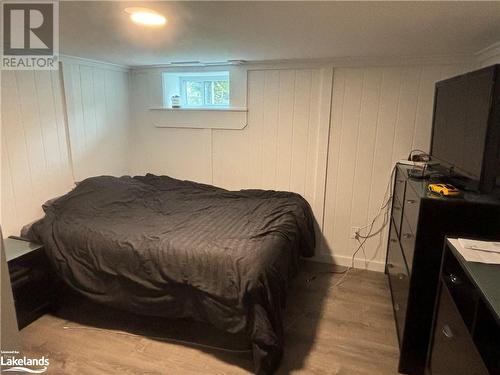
pixel 346 329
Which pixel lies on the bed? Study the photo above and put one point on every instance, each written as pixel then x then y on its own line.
pixel 158 246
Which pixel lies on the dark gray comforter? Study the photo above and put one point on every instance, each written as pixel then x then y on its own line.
pixel 159 246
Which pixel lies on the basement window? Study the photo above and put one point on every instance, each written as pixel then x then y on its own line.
pixel 197 89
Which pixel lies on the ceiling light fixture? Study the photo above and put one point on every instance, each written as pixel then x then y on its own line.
pixel 146 17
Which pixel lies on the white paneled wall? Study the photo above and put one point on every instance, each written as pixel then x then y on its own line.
pixel 378 115
pixel 181 153
pixel 50 140
pixel 35 164
pixel 334 143
pixel 283 147
pixel 97 98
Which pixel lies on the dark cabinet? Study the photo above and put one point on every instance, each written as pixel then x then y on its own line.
pixel 31 280
pixel 419 223
pixel 453 351
pixel 466 332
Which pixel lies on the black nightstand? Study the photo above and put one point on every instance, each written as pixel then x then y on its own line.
pixel 30 275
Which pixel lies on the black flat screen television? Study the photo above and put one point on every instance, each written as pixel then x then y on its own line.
pixel 466 128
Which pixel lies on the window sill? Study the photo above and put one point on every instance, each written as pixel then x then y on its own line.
pixel 234 118
pixel 220 109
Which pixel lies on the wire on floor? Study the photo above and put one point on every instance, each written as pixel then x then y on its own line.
pixel 165 339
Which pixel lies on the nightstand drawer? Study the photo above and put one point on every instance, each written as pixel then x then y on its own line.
pixel 453 351
pixel 31 280
pixel 19 275
pixel 22 275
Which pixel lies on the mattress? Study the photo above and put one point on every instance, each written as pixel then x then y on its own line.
pixel 158 246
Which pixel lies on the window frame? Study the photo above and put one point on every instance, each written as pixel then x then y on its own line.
pixel 213 76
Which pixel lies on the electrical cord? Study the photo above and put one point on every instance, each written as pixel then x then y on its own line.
pixel 345 272
pixel 384 208
pixel 426 159
pixel 314 277
pixel 422 153
pixel 353 258
pixel 166 339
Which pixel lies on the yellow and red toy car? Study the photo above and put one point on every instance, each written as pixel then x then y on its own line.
pixel 445 190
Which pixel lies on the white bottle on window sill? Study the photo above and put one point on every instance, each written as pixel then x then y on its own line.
pixel 176 101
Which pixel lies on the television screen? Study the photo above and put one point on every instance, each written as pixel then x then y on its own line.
pixel 461 112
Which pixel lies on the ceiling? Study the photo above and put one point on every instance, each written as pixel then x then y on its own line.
pixel 218 31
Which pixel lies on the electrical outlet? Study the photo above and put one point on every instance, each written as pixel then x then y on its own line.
pixel 354 231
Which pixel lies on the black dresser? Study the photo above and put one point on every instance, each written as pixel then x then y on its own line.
pixel 419 223
pixel 466 329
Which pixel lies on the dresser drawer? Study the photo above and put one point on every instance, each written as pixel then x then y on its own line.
pixel 407 242
pixel 399 186
pixel 453 351
pixel 397 214
pixel 398 278
pixel 411 207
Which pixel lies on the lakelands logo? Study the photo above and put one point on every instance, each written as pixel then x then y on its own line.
pixel 11 362
pixel 30 35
